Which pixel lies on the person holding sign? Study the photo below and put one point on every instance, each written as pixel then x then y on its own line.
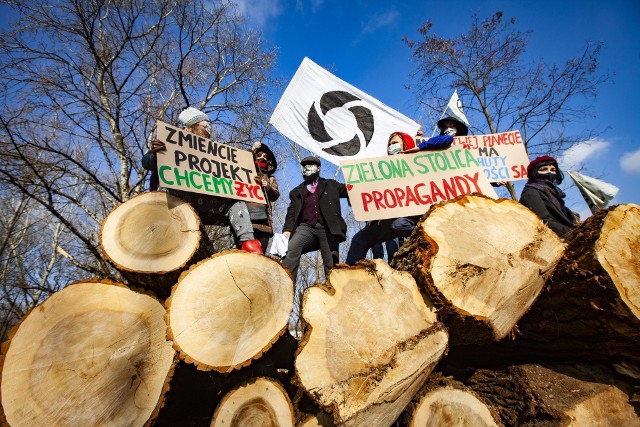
pixel 314 218
pixel 542 195
pixel 261 215
pixel 212 210
pixel 386 229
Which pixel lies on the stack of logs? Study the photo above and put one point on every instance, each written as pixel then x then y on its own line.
pixel 484 317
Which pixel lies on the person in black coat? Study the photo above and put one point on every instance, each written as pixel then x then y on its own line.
pixel 314 218
pixel 542 195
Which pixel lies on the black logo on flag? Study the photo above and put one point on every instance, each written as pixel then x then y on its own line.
pixel 363 116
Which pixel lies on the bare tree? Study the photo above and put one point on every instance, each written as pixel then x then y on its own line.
pixel 502 89
pixel 82 84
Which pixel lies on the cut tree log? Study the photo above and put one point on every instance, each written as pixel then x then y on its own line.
pixel 371 342
pixel 229 309
pixel 94 353
pixel 443 401
pixel 483 263
pixel 591 308
pixel 151 238
pixel 261 402
pixel 535 395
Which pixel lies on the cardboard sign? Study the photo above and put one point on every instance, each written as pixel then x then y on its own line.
pixel 407 184
pixel 502 156
pixel 199 165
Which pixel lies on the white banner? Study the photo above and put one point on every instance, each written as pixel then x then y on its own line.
pixel 333 119
pixel 455 107
pixel 596 193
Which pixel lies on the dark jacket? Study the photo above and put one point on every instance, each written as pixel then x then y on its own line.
pixel 329 194
pixel 545 199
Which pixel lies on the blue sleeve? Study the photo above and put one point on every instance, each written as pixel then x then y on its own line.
pixel 436 142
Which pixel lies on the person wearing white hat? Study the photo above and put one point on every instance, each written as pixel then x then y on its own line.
pixel 211 209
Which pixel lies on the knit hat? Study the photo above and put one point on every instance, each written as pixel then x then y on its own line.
pixel 538 160
pixel 463 130
pixel 190 116
pixel 408 142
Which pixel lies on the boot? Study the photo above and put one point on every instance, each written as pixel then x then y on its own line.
pixel 252 246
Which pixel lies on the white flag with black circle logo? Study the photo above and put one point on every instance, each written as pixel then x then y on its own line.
pixel 333 119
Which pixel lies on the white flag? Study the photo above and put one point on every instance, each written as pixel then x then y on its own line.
pixel 595 192
pixel 334 119
pixel 455 107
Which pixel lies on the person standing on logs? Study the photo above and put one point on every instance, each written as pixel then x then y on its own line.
pixel 383 230
pixel 314 218
pixel 542 195
pixel 212 210
pixel 261 215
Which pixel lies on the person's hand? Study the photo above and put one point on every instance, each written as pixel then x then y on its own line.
pixel 419 133
pixel 286 234
pixel 260 181
pixel 256 145
pixel 157 145
pixel 499 183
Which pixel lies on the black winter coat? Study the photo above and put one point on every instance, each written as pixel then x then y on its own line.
pixel 547 203
pixel 329 194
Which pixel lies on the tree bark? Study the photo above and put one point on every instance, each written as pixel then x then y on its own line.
pixel 532 395
pixel 229 309
pixel 261 402
pixel 371 341
pixel 482 261
pixel 152 238
pixel 94 353
pixel 591 307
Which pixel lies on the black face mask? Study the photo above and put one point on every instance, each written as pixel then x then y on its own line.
pixel 312 177
pixel 551 177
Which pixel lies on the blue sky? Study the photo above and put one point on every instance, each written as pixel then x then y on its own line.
pixel 361 43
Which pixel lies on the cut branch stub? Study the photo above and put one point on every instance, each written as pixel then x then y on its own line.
pixel 483 262
pixel 94 353
pixel 229 309
pixel 152 237
pixel 372 342
pixel 261 402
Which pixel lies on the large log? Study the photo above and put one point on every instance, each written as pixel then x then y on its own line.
pixel 371 342
pixel 151 238
pixel 94 353
pixel 591 307
pixel 483 263
pixel 229 309
pixel 260 402
pixel 443 401
pixel 579 395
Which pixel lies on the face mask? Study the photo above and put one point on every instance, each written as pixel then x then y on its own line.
pixel 394 148
pixel 450 132
pixel 553 177
pixel 261 164
pixel 309 170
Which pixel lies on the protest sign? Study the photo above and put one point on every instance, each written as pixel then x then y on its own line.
pixel 199 165
pixel 407 184
pixel 502 156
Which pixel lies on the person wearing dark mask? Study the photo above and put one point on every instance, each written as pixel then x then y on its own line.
pixel 212 210
pixel 384 230
pixel 261 215
pixel 314 218
pixel 542 195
